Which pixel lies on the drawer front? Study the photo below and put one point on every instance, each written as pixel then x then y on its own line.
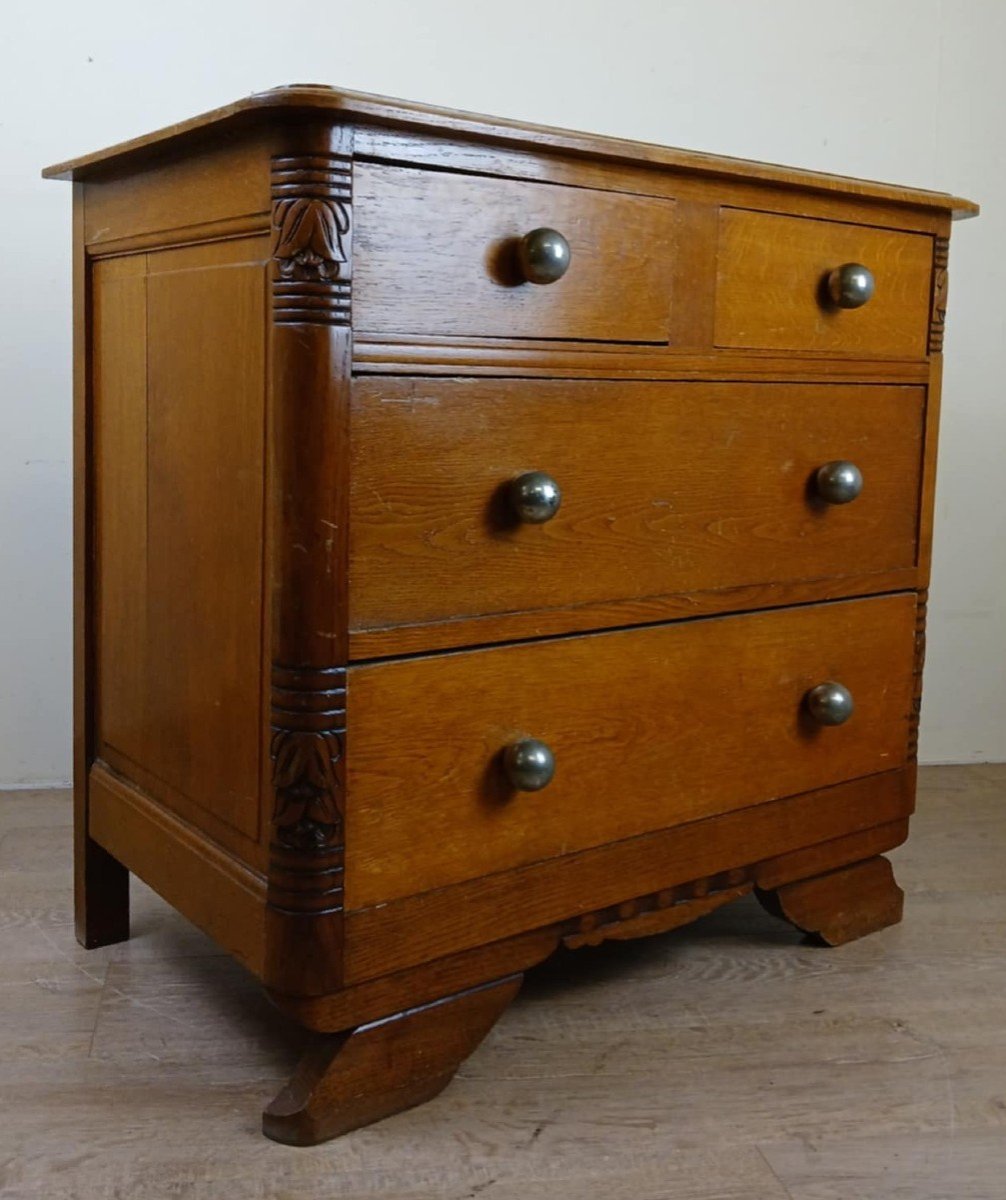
pixel 665 489
pixel 772 289
pixel 649 728
pixel 435 253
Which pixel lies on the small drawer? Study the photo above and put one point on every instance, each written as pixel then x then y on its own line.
pixel 439 254
pixel 665 489
pixel 647 728
pixel 776 288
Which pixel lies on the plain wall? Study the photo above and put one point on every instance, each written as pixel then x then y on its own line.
pixel 910 91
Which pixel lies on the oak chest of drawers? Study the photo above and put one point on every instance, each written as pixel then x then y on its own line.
pixel 488 538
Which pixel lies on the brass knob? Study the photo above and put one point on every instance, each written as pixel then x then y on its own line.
pixel 830 703
pixel 544 255
pixel 535 497
pixel 838 482
pixel 850 285
pixel 529 765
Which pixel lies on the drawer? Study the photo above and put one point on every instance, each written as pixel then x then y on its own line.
pixel 665 489
pixel 436 253
pixel 649 728
pixel 772 287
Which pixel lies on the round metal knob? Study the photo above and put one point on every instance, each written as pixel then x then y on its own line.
pixel 535 497
pixel 830 703
pixel 529 765
pixel 850 285
pixel 544 255
pixel 838 482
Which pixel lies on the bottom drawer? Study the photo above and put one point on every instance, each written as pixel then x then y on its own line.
pixel 649 728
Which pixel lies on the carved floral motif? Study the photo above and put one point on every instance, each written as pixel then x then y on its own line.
pixel 308 237
pixel 307 815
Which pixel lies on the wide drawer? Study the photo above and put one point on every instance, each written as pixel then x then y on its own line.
pixel 665 489
pixel 436 253
pixel 772 290
pixel 649 728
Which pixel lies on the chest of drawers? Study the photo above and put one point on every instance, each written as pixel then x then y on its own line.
pixel 488 538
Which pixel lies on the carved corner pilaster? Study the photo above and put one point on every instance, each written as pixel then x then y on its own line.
pixel 311 239
pixel 919 663
pixel 938 312
pixel 310 282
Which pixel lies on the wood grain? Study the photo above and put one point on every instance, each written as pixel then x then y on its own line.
pixel 383 111
pixel 771 274
pixel 252 539
pixel 384 1067
pixel 311 281
pixel 215 890
pixel 841 905
pixel 220 182
pixel 434 538
pixel 435 253
pixel 689 720
pixel 120 501
pixel 418 929
pixel 402 354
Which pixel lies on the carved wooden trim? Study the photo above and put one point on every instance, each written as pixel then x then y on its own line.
pixel 311 228
pixel 938 315
pixel 310 275
pixel 919 663
pixel 306 750
pixel 658 911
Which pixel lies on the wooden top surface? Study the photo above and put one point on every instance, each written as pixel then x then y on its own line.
pixel 423 118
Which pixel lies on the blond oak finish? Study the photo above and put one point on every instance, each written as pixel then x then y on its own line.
pixel 266 728
pixel 770 287
pixel 382 112
pixel 179 598
pixel 668 489
pixel 436 254
pixel 689 720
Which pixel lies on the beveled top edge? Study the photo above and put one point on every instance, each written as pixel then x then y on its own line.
pixel 386 111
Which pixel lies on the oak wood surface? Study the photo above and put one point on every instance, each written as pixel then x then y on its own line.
pixel 218 182
pixel 688 720
pixel 404 354
pixel 310 288
pixel 215 890
pixel 178 601
pixel 403 933
pixel 666 489
pixel 667 908
pixel 446 152
pixel 384 111
pixel 436 253
pixel 772 271
pixel 481 630
pixel 384 1067
pixel 841 905
pixel 233 740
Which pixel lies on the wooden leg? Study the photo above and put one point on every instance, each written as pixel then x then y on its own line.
pixel 101 895
pixel 351 1079
pixel 841 905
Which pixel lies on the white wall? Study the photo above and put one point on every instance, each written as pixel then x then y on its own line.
pixel 905 90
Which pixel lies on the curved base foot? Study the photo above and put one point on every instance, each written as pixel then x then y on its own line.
pixel 841 905
pixel 351 1079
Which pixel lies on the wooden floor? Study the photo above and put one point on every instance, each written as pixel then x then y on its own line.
pixel 724 1062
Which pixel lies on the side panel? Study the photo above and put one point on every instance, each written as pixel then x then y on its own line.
pixel 179 452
